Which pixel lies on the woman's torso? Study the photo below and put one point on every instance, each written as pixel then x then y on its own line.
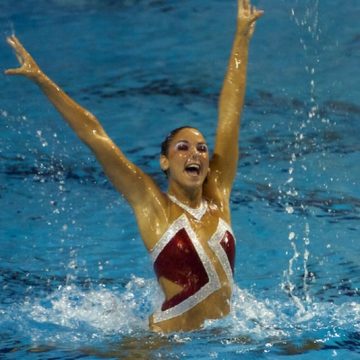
pixel 194 262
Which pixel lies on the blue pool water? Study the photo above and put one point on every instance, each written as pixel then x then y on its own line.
pixel 75 279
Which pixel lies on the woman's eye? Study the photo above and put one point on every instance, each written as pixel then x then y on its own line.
pixel 202 148
pixel 182 147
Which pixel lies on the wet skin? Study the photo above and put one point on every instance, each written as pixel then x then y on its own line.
pixel 187 163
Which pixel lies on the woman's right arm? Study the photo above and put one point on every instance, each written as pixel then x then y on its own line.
pixel 127 178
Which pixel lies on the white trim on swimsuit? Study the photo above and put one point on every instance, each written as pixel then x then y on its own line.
pixel 213 284
pixel 215 244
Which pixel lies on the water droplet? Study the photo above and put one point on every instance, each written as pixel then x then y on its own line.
pixel 289 209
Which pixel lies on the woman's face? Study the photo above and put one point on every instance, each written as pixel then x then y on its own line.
pixel 187 162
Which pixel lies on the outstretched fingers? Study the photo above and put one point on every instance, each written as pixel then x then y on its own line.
pixel 246 10
pixel 19 49
pixel 16 44
pixel 247 16
pixel 25 60
pixel 255 14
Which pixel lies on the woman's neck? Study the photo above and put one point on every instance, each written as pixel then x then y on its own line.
pixel 189 197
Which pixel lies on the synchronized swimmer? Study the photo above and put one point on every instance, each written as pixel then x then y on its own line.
pixel 187 230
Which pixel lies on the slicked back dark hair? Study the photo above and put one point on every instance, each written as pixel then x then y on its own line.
pixel 166 143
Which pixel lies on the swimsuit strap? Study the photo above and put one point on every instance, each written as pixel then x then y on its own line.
pixel 197 213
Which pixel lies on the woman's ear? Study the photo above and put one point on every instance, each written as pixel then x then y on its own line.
pixel 164 163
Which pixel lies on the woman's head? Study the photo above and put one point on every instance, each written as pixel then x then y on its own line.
pixel 185 157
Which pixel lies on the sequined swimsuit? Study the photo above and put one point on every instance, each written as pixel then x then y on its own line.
pixel 179 257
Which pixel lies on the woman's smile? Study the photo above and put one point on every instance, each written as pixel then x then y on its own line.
pixel 193 169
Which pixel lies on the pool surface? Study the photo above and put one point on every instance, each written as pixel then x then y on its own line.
pixel 75 279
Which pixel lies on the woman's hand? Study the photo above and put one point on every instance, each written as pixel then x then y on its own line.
pixel 247 16
pixel 28 66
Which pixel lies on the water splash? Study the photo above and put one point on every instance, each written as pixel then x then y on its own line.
pixel 74 317
pixel 306 20
pixel 77 315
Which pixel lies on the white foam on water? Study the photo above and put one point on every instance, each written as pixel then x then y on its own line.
pixel 74 315
pixel 252 317
pixel 71 313
pixel 276 319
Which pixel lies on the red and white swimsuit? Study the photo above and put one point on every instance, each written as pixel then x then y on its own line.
pixel 179 257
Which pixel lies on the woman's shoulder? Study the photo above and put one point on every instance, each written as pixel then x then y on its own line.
pixel 218 201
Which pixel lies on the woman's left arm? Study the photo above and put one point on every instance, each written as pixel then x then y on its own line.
pixel 224 161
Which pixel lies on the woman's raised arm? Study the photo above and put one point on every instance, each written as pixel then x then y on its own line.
pixel 127 178
pixel 224 162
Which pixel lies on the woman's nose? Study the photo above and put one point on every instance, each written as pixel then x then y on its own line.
pixel 194 152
